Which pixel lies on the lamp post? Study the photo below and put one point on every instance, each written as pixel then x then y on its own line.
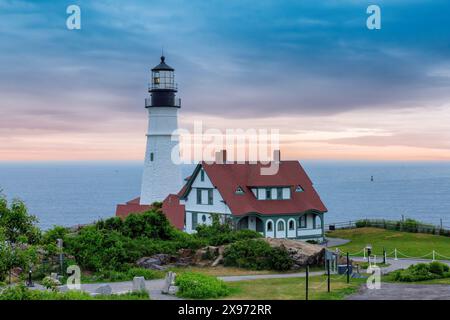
pixel 30 281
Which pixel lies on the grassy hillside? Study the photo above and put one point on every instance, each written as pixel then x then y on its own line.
pixel 411 244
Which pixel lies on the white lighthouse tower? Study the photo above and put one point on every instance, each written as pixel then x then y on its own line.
pixel 162 175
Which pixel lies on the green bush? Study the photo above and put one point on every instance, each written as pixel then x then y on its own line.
pixel 20 292
pixel 113 276
pixel 422 272
pixel 199 286
pixel 219 233
pixel 151 224
pixel 258 255
pixel 51 235
pixel 408 225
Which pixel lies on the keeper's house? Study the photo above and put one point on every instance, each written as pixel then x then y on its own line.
pixel 284 205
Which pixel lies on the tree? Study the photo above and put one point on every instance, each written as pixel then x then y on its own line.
pixel 18 233
pixel 17 224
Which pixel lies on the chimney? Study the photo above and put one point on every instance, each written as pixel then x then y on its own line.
pixel 221 157
pixel 276 155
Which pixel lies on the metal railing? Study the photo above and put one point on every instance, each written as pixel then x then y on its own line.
pixel 168 86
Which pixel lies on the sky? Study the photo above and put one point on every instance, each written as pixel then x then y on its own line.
pixel 312 69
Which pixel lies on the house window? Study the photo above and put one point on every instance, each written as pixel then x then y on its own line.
pixel 199 196
pixel 280 226
pixel 210 196
pixel 291 225
pixel 299 189
pixel 194 220
pixel 151 156
pixel 202 175
pixel 279 193
pixel 203 218
pixel 302 222
pixel 269 226
pixel 268 193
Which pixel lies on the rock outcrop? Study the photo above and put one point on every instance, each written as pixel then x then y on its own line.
pixel 302 253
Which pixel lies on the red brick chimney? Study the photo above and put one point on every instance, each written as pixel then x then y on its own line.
pixel 221 157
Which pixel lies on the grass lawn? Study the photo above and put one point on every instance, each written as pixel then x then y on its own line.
pixel 293 288
pixel 411 244
pixel 221 271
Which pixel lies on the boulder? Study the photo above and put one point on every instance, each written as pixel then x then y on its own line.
pixel 156 262
pixel 302 253
pixel 169 282
pixel 104 289
pixel 173 290
pixel 139 284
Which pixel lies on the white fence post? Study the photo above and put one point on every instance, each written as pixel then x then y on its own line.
pixel 395 254
pixel 434 255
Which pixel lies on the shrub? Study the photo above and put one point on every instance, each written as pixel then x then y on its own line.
pixel 57 232
pixel 257 254
pixel 361 223
pixel 219 233
pixel 113 276
pixel 199 286
pixel 50 283
pixel 422 272
pixel 20 292
pixel 438 268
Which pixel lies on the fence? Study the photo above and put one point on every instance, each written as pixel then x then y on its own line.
pixel 396 254
pixel 408 225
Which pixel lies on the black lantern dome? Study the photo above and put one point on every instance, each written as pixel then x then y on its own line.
pixel 162 86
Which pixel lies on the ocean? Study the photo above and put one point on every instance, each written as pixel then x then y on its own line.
pixel 71 193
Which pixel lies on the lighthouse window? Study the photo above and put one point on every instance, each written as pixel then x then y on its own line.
pixel 151 156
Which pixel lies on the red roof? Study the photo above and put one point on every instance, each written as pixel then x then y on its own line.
pixel 228 177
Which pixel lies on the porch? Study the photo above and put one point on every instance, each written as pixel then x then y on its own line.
pixel 306 226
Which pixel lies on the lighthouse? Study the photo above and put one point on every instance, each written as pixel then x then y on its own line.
pixel 162 175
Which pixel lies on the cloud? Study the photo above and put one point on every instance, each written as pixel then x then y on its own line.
pixel 249 60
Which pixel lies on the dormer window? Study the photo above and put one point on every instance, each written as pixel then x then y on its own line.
pixel 268 193
pixel 272 193
pixel 202 175
pixel 299 189
pixel 239 190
